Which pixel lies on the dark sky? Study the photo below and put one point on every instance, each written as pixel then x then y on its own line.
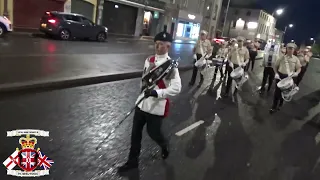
pixel 304 14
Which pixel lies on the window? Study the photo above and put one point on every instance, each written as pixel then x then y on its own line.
pixel 236 12
pixel 249 13
pixel 87 21
pixel 73 18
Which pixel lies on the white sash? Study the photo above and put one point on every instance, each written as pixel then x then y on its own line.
pixel 287 66
pixel 201 49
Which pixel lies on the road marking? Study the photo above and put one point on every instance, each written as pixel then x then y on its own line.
pixel 189 128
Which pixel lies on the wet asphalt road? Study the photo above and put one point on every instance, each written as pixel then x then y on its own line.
pixel 24 58
pixel 237 141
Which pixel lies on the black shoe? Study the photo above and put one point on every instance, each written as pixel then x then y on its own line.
pixel 191 84
pixel 164 152
pixel 128 166
pixel 199 85
pixel 271 111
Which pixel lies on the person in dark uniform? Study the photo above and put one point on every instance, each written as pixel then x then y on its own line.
pixel 286 65
pixel 253 52
pixel 154 108
pixel 268 62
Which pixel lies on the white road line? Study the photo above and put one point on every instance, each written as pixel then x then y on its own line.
pixel 189 128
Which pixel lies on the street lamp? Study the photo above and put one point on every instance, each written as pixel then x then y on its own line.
pixel 314 41
pixel 285 30
pixel 279 12
pixel 292 40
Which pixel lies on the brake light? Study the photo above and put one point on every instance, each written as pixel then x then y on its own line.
pixel 52 21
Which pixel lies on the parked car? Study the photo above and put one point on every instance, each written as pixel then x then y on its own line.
pixel 69 25
pixel 5 26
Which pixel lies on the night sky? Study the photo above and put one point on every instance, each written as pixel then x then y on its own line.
pixel 304 14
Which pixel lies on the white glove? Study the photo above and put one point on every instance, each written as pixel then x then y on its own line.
pixel 195 57
pixel 207 56
pixel 277 76
pixel 231 65
pixel 295 74
pixel 243 64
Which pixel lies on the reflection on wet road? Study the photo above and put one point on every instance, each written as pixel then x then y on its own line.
pixel 234 140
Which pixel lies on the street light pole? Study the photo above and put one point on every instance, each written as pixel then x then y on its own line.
pixel 225 18
pixel 284 33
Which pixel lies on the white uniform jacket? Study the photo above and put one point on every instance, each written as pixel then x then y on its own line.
pixel 169 86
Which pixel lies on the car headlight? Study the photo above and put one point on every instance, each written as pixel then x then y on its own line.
pixel 106 29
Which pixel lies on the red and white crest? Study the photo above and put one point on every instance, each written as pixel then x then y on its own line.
pixel 28 159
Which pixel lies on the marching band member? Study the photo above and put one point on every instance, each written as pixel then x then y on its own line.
pixel 304 61
pixel 288 65
pixel 202 48
pixel 238 56
pixel 233 44
pixel 222 53
pixel 154 108
pixel 268 63
pixel 253 52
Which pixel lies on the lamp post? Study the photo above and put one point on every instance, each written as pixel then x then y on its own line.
pixel 314 41
pixel 285 30
pixel 278 12
pixel 225 18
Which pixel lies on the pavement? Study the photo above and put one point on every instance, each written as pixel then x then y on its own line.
pixel 210 137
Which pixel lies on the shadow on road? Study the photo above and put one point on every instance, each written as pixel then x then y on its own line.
pixel 299 153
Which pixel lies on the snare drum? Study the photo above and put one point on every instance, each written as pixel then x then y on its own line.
pixel 287 88
pixel 238 76
pixel 218 61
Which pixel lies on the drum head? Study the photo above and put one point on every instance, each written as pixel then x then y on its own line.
pixel 286 83
pixel 237 73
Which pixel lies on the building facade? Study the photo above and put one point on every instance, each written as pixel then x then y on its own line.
pixel 250 23
pixel 134 17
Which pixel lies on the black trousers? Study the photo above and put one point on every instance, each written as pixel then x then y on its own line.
pixel 216 71
pixel 301 74
pixel 277 97
pixel 268 74
pixel 229 81
pixel 252 59
pixel 195 72
pixel 154 124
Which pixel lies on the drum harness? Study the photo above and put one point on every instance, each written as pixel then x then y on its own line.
pixel 151 84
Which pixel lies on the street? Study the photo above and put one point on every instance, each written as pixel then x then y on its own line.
pixel 25 59
pixel 232 141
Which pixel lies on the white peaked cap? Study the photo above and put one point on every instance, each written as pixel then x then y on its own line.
pixel 203 32
pixel 291 45
pixel 241 38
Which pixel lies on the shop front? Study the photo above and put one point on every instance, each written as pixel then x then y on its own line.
pixel 151 22
pixel 133 17
pixel 84 7
pixel 188 26
pixel 27 13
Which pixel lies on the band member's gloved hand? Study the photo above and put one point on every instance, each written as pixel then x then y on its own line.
pixel 152 93
pixel 195 57
pixel 277 76
pixel 243 65
pixel 231 65
pixel 295 74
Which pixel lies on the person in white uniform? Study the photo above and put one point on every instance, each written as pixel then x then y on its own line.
pixel 238 56
pixel 155 107
pixel 287 65
pixel 202 48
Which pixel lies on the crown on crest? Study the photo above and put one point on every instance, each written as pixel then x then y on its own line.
pixel 27 142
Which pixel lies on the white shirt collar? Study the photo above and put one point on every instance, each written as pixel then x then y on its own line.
pixel 162 56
